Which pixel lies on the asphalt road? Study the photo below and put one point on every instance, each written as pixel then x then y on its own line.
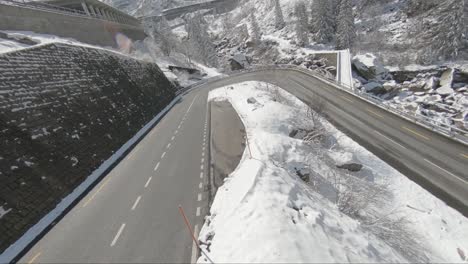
pixel 132 215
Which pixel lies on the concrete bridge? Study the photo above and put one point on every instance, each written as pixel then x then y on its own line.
pixel 218 6
pixel 89 21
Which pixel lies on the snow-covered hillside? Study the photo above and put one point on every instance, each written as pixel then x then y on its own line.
pixel 287 201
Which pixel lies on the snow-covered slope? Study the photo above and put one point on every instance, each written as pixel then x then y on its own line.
pixel 288 202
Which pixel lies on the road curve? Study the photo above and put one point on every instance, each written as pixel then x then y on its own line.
pixel 132 214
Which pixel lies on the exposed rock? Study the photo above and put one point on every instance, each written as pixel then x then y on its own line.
pixel 431 83
pixel 445 90
pixel 251 100
pixel 303 173
pixel 239 62
pixel 446 80
pixel 369 67
pixel 375 88
pixel 460 76
pixel 353 167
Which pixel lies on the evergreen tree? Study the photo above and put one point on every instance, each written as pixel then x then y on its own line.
pixel 346 31
pixel 322 22
pixel 279 16
pixel 300 11
pixel 446 36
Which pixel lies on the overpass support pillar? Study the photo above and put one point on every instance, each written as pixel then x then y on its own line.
pixel 93 12
pixel 85 8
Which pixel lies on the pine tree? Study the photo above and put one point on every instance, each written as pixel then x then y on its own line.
pixel 300 11
pixel 346 31
pixel 446 35
pixel 256 34
pixel 322 22
pixel 279 16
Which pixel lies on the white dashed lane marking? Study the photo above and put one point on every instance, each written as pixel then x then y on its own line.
pixel 136 203
pixel 198 211
pixel 200 186
pixel 164 154
pixel 157 166
pixel 148 182
pixel 122 227
pixel 201 175
pixel 199 197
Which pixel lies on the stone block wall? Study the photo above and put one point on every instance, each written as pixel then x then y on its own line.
pixel 64 110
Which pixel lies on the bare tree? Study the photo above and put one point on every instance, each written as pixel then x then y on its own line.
pixel 200 40
pixel 164 37
pixel 256 34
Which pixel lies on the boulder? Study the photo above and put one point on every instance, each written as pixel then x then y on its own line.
pixel 447 78
pixel 353 167
pixel 431 83
pixel 445 90
pixel 369 67
pixel 251 100
pixel 375 88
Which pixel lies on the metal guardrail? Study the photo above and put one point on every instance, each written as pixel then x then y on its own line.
pixel 53 8
pixel 441 128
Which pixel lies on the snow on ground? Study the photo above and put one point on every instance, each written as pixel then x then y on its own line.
pixel 7 45
pixel 3 212
pixel 264 212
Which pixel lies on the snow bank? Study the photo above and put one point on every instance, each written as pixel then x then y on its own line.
pixel 265 213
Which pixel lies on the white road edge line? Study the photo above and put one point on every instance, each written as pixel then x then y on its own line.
pixel 157 166
pixel 198 211
pixel 446 171
pixel 136 203
pixel 199 197
pixel 118 235
pixel 148 182
pixel 193 259
pixel 393 141
pixel 191 105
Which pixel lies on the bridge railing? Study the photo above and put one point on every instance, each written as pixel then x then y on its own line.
pixel 437 126
pixel 430 123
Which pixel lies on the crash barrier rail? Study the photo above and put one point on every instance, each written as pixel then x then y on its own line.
pixel 441 128
pixel 437 126
pixel 53 8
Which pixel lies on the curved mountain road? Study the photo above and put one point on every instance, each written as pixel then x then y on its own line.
pixel 132 214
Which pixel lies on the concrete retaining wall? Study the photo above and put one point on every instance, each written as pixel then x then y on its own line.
pixel 63 111
pixel 85 29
